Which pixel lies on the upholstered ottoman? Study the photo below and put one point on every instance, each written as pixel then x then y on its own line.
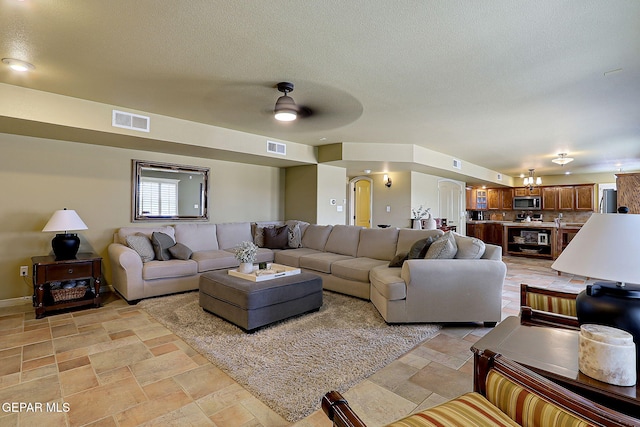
pixel 252 305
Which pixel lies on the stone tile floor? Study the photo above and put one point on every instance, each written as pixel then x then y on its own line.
pixel 116 366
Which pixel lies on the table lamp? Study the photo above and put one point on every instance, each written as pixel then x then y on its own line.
pixel 65 245
pixel 607 247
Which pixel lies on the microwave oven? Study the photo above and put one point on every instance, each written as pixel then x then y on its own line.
pixel 528 203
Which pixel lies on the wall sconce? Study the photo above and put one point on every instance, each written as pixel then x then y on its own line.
pixel 387 180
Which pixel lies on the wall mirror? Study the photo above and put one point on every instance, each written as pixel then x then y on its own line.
pixel 166 191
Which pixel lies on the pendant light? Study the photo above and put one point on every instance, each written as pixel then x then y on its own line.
pixel 562 159
pixel 285 109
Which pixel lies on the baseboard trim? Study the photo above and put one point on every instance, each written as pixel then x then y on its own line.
pixel 11 302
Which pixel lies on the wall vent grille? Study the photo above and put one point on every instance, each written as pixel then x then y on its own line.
pixel 499 177
pixel 457 164
pixel 120 119
pixel 276 148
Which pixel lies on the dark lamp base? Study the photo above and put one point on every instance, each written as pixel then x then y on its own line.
pixel 65 246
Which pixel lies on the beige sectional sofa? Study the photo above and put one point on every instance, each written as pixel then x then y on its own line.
pixel 351 260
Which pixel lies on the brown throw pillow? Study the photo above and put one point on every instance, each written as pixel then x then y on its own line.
pixel 419 249
pixel 399 259
pixel 276 237
pixel 161 244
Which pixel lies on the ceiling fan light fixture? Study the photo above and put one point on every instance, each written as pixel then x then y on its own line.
pixel 562 159
pixel 18 65
pixel 286 109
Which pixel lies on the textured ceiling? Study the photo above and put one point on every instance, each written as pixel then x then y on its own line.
pixel 502 84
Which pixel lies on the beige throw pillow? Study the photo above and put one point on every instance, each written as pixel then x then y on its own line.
pixel 443 248
pixel 142 245
pixel 469 247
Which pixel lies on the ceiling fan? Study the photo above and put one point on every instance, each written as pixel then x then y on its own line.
pixel 286 109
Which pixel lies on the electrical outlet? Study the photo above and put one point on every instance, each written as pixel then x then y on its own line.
pixel 24 270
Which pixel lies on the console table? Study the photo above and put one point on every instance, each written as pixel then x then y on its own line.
pixel 553 353
pixel 47 269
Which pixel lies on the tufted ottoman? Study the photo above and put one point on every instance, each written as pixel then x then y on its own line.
pixel 251 305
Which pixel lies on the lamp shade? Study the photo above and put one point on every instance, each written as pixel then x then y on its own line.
pixel 65 220
pixel 607 247
pixel 285 109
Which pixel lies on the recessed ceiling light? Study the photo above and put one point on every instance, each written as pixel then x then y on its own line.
pixel 18 65
pixel 567 173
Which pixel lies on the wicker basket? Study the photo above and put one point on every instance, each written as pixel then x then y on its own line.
pixel 68 294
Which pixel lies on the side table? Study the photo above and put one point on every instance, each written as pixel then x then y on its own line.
pixel 47 270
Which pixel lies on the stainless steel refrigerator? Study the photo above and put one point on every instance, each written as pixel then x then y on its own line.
pixel 609 202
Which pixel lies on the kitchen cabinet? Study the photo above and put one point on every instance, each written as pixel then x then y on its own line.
pixel 584 197
pixel 566 199
pixel 475 230
pixel 524 191
pixel 549 198
pixel 500 199
pixel 493 233
pixel 476 199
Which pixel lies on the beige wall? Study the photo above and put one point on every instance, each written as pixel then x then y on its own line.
pixel 332 185
pixel 300 193
pixel 39 176
pixel 397 197
pixel 424 191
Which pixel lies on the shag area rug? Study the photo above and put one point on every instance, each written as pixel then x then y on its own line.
pixel 291 364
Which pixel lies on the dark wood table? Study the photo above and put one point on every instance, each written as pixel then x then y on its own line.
pixel 553 353
pixel 47 269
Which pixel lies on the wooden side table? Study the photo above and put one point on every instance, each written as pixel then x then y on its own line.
pixel 46 270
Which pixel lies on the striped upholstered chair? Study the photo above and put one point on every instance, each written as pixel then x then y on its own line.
pixel 506 394
pixel 546 307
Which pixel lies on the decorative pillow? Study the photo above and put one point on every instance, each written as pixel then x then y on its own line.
pixel 295 236
pixel 399 259
pixel 180 251
pixel 161 244
pixel 276 237
pixel 443 248
pixel 258 237
pixel 142 245
pixel 469 247
pixel 419 248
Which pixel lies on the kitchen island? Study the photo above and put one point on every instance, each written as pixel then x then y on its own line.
pixel 533 239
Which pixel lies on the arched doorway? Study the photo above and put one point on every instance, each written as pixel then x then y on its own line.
pixel 361 201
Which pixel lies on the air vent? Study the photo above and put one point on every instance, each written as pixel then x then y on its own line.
pixel 120 119
pixel 457 164
pixel 499 177
pixel 276 148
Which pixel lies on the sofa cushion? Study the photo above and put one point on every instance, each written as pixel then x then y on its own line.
pixel 399 259
pixel 276 237
pixel 470 409
pixel 355 268
pixel 443 248
pixel 295 236
pixel 469 247
pixel 147 231
pixel 180 251
pixel 214 260
pixel 198 237
pixel 291 257
pixel 321 261
pixel 525 406
pixel 167 269
pixel 378 243
pixel 419 249
pixel 316 236
pixel 142 245
pixel 344 240
pixel 407 237
pixel 161 244
pixel 388 282
pixel 231 234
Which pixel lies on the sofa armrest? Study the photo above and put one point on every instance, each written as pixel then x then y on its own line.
pixel 126 271
pixel 451 289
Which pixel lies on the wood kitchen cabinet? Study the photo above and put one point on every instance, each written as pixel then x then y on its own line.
pixel 476 199
pixel 500 199
pixel 476 230
pixel 549 198
pixel 507 199
pixel 566 199
pixel 524 191
pixel 584 197
pixel 493 233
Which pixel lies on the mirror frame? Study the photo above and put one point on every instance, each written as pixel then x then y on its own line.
pixel 139 165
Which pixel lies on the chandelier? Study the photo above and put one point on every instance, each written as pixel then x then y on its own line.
pixel 530 180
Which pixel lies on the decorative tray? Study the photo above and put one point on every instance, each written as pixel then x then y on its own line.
pixel 272 271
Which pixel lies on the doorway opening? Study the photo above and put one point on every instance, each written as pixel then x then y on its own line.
pixel 361 201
